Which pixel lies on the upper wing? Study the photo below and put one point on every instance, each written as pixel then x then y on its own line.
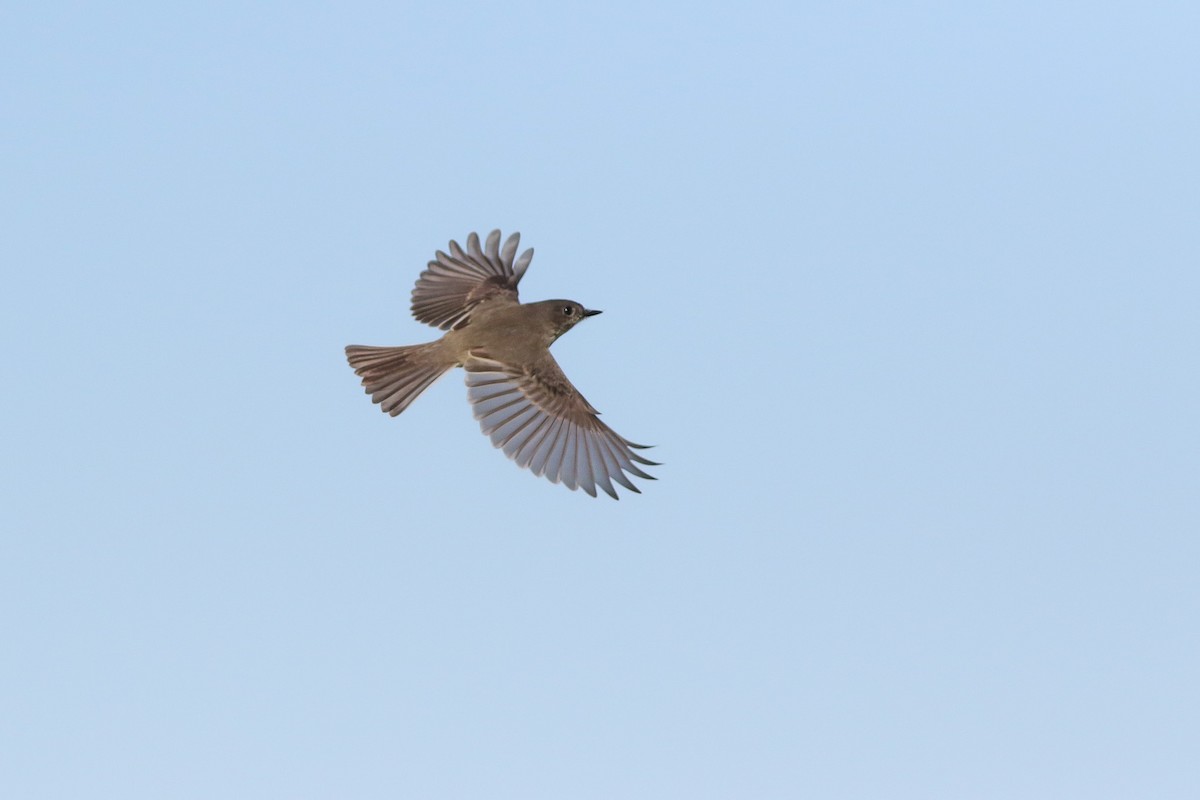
pixel 454 284
pixel 543 423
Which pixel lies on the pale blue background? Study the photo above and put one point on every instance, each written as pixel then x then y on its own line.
pixel 905 293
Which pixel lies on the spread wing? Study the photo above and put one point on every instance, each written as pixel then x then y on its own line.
pixel 544 424
pixel 455 283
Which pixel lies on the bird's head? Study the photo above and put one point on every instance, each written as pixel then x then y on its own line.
pixel 564 314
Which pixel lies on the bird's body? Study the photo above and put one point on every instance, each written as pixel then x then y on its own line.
pixel 521 397
pixel 511 332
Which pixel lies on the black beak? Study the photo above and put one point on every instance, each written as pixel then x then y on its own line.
pixel 588 313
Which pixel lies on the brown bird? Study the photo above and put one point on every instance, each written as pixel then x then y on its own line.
pixel 520 396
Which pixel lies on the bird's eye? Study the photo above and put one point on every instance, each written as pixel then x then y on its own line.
pixel 568 311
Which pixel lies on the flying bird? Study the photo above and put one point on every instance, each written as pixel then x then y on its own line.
pixel 519 394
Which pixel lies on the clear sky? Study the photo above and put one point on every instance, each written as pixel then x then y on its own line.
pixel 906 295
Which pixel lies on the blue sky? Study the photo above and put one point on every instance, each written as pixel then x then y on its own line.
pixel 904 293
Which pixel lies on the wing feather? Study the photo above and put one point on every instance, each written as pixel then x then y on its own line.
pixel 455 282
pixel 542 422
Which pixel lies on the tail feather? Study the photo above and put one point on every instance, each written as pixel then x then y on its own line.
pixel 394 376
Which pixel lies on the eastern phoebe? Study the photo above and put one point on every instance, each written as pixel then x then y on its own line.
pixel 520 396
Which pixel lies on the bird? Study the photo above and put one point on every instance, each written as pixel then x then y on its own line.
pixel 522 399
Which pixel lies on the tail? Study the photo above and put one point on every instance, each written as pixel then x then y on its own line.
pixel 394 376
